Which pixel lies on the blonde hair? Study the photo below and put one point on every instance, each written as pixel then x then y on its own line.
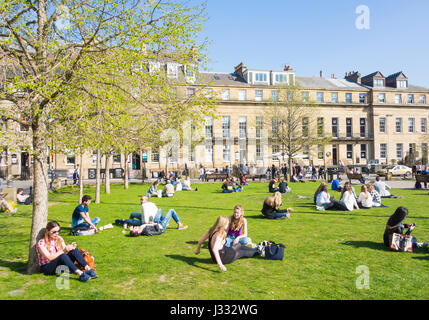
pixel 235 224
pixel 364 189
pixel 274 201
pixel 219 226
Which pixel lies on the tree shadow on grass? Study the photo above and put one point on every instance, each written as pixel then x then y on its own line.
pixel 16 266
pixel 349 214
pixel 192 261
pixel 422 258
pixel 367 244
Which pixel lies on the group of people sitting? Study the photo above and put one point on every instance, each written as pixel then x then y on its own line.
pixel 282 187
pixel 171 186
pixel 231 185
pixel 370 195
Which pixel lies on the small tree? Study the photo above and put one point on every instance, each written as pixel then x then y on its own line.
pixel 295 125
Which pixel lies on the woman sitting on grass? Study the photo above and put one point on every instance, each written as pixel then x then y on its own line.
pixel 187 185
pixel 237 231
pixel 376 199
pixel 365 200
pixel 53 252
pixel 220 253
pixel 319 189
pixel 152 192
pixel 271 207
pixel 394 225
pixel 272 186
pixel 348 199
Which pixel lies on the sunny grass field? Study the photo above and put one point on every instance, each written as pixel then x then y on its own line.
pixel 323 250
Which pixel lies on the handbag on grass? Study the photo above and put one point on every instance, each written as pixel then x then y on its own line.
pixel 274 251
pixel 401 242
pixel 88 258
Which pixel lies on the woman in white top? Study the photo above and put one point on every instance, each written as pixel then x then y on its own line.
pixel 348 199
pixel 365 199
pixel 187 184
pixel 323 198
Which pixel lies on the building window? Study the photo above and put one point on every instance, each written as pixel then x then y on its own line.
pixel 348 98
pixel 259 126
pixel 259 151
pixel 226 152
pixel 171 70
pixel 381 98
pixel 335 127
pixel 349 151
pixel 362 127
pixel 422 99
pixel 275 149
pixel 242 95
pixel 275 126
pixel 383 150
pixel 411 122
pixel 320 152
pixel 399 150
pixel 305 128
pixel 304 96
pixel 382 124
pixel 378 83
pixel 209 127
pixel 362 97
pixel 410 98
pixel 349 127
pixel 334 97
pixel 261 77
pixel 282 78
pixel 116 158
pixel 320 97
pixel 154 157
pixel 398 98
pixel 209 153
pixel 398 125
pixel 208 93
pixel 320 127
pixel 412 148
pixel 258 95
pixel 190 92
pixel 425 151
pixel 423 123
pixel 242 125
pixel 401 83
pixel 225 94
pixel 24 127
pixel 290 96
pixel 274 95
pixel 363 151
pixel 70 158
pixel 225 126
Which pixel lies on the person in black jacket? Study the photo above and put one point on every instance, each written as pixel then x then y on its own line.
pixel 395 225
pixel 271 207
pixel 272 186
pixel 283 186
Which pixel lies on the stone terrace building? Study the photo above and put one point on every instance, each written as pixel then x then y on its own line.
pixel 370 118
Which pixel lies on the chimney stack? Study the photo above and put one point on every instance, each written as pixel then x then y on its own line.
pixel 332 76
pixel 240 69
pixel 321 73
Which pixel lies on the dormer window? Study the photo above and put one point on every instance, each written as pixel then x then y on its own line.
pixel 401 83
pixel 378 83
pixel 154 67
pixel 171 70
pixel 261 77
pixel 281 78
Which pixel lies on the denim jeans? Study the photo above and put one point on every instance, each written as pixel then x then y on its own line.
pixel 230 239
pixel 83 225
pixel 132 220
pixel 159 218
pixel 64 259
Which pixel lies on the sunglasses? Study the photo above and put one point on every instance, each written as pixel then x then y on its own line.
pixel 54 232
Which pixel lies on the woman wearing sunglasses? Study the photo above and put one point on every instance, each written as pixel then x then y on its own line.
pixel 53 252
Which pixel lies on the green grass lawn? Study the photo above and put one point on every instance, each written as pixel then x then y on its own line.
pixel 323 250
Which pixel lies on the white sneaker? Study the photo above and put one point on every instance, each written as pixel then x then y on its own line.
pixel 320 208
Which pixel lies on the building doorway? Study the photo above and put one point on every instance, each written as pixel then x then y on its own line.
pixel 334 155
pixel 25 166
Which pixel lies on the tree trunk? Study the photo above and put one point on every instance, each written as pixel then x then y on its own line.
pixel 290 168
pixel 126 170
pixel 40 194
pixel 107 176
pixel 97 178
pixel 81 179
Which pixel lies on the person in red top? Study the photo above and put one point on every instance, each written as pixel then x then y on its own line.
pixel 53 252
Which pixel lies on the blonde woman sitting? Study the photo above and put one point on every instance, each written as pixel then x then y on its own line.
pixel 365 199
pixel 271 207
pixel 218 251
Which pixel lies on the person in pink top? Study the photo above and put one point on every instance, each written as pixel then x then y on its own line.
pixel 53 252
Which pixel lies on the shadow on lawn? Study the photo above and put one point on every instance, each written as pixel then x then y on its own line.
pixel 367 244
pixel 192 261
pixel 16 266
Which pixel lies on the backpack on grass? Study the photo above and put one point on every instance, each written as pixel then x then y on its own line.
pixel 88 258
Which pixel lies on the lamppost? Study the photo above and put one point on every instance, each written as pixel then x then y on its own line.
pixel 328 154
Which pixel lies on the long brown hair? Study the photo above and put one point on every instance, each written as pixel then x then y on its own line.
pixel 49 227
pixel 364 189
pixel 219 225
pixel 235 224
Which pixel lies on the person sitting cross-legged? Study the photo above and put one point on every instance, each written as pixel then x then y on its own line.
pixel 81 219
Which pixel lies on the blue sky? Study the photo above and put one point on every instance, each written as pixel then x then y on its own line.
pixel 320 35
